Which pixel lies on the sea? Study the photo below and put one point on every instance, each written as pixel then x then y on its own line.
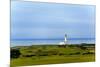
pixel 28 42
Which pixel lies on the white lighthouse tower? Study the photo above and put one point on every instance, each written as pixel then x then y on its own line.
pixel 65 41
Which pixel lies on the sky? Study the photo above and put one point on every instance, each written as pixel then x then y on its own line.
pixel 38 20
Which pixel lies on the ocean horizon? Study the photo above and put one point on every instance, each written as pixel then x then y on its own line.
pixel 54 41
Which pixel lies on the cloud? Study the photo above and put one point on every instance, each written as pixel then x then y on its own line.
pixel 49 20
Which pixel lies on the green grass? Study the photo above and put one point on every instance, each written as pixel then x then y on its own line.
pixel 52 59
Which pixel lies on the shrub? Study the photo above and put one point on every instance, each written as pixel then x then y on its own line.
pixel 77 53
pixel 82 47
pixel 70 53
pixel 15 53
pixel 87 53
pixel 28 55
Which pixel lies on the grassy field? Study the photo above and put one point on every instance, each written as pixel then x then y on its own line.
pixel 53 54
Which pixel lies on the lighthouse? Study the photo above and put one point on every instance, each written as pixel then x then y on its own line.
pixel 65 41
pixel 63 44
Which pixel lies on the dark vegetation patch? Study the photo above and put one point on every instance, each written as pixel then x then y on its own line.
pixel 49 50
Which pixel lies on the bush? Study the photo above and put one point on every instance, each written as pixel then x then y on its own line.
pixel 28 55
pixel 82 47
pixel 87 53
pixel 70 53
pixel 77 53
pixel 15 53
